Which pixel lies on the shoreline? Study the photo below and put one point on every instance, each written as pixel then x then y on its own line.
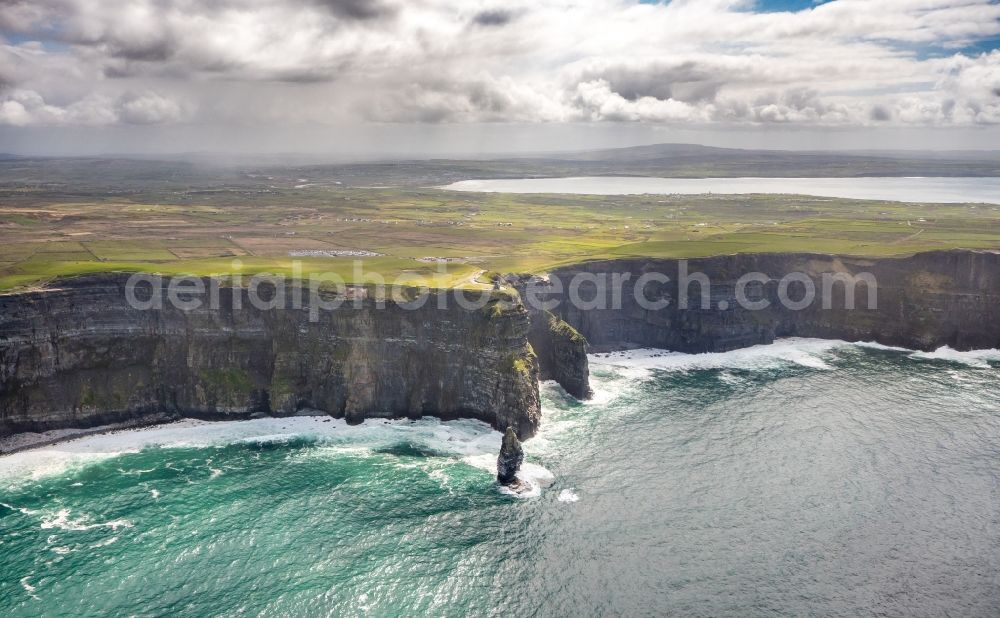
pixel 31 440
pixel 274 425
pixel 782 350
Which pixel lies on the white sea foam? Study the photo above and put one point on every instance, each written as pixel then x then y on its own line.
pixel 457 436
pixel 781 353
pixel 61 520
pixel 729 378
pixel 534 476
pixel 483 461
pixel 812 353
pixel 568 495
pixel 972 358
pixel 34 465
pixel 104 542
pixel 136 472
pixel 460 440
pixel 879 346
pixel 601 393
pixel 29 588
pixel 20 510
pixel 442 478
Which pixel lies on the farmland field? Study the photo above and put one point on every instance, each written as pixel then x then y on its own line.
pixel 251 223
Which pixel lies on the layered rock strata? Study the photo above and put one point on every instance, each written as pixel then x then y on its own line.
pixel 924 301
pixel 77 354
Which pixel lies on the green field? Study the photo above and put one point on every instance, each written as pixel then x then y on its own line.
pixel 46 233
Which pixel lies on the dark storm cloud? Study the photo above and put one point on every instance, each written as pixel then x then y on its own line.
pixel 493 17
pixel 360 10
pixel 146 51
pixel 689 81
pixel 881 113
pixel 432 98
pixel 305 76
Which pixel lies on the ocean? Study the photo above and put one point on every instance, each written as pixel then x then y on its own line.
pixel 806 478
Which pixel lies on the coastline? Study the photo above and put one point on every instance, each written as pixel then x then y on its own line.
pixel 69 374
pixel 466 440
pixel 795 350
pixel 31 440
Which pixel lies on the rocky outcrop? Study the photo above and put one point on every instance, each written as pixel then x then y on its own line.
pixel 510 459
pixel 922 301
pixel 562 353
pixel 77 355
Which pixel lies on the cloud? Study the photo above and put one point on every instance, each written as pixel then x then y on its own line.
pixel 359 9
pixel 493 17
pixel 481 98
pixel 839 63
pixel 148 108
pixel 596 100
pixel 13 113
pixel 881 113
pixel 27 107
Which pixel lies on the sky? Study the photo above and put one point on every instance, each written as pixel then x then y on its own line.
pixel 432 77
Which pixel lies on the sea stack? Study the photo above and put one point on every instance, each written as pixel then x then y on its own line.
pixel 510 459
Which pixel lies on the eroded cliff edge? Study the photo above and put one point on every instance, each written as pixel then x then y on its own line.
pixel 77 355
pixel 561 352
pixel 924 301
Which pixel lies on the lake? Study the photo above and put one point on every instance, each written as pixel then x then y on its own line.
pixel 933 190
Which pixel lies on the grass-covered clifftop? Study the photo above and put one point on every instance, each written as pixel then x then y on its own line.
pixel 267 221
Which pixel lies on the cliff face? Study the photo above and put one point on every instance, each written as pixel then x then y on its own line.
pixel 562 353
pixel 923 302
pixel 78 355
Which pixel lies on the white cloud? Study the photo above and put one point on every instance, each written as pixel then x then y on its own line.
pixel 148 108
pixel 13 113
pixel 27 107
pixel 840 63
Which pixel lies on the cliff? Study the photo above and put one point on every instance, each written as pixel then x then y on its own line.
pixel 922 302
pixel 77 355
pixel 561 352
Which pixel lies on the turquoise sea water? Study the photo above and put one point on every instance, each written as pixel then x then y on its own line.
pixel 801 478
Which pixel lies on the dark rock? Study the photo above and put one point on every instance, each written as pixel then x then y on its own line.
pixel 510 459
pixel 924 301
pixel 76 355
pixel 561 350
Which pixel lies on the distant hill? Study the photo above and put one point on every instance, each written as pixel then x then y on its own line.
pixel 653 152
pixel 692 160
pixel 644 153
pixel 124 174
